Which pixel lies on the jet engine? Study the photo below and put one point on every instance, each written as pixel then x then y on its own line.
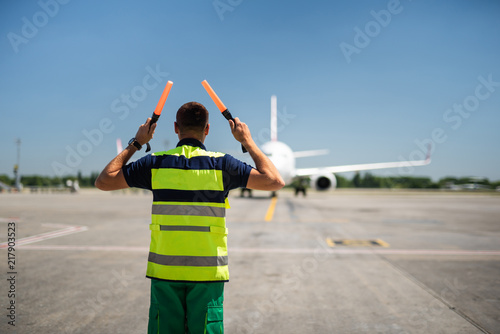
pixel 323 181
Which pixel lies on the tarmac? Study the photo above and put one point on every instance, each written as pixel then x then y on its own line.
pixel 345 261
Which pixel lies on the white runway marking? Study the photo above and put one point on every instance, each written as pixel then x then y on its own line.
pixel 66 230
pixel 366 251
pixel 320 250
pixel 87 248
pixel 9 220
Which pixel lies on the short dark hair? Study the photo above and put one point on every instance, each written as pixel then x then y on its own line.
pixel 192 116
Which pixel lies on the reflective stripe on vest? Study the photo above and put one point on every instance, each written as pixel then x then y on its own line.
pixel 188 226
pixel 188 210
pixel 194 261
pixel 213 229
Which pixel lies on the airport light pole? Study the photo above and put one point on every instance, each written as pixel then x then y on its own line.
pixel 17 176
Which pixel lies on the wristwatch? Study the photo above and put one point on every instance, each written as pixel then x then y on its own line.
pixel 135 143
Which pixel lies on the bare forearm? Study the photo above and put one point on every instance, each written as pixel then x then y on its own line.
pixel 111 177
pixel 262 162
pixel 120 160
pixel 265 167
pixel 265 176
pixel 107 178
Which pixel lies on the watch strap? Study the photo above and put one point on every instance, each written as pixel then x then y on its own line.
pixel 134 142
pixel 137 145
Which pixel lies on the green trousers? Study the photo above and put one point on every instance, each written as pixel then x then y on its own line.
pixel 179 308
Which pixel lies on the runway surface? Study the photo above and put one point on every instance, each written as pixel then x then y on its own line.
pixel 347 261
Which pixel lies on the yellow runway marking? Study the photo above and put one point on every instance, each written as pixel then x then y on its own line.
pixel 270 210
pixel 356 243
pixel 382 243
pixel 330 242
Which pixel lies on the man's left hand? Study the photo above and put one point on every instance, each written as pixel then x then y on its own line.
pixel 145 133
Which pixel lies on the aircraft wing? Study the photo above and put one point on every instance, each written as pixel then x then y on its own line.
pixel 304 154
pixel 360 167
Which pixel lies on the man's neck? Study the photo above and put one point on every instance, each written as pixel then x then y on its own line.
pixel 191 136
pixel 191 142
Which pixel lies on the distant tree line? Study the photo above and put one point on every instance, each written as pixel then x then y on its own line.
pixel 369 180
pixel 366 180
pixel 51 181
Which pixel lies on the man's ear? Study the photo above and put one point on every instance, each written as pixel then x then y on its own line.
pixel 207 129
pixel 176 128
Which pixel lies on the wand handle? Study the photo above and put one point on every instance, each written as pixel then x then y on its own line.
pixel 225 112
pixel 159 108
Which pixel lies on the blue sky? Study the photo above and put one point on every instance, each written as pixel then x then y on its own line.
pixel 372 81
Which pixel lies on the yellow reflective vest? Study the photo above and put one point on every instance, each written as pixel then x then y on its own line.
pixel 188 225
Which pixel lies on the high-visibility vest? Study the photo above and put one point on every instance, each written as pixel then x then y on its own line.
pixel 188 224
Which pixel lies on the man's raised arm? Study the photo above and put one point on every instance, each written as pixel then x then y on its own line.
pixel 265 176
pixel 111 177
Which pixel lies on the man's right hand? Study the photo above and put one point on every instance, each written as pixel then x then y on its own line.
pixel 240 131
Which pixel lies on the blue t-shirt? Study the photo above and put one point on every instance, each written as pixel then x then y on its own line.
pixel 235 172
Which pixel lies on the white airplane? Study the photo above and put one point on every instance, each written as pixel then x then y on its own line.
pixel 322 178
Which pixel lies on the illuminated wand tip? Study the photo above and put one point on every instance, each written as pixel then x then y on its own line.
pixel 214 96
pixel 163 98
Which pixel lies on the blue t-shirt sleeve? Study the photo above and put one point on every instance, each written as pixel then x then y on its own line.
pixel 236 173
pixel 138 173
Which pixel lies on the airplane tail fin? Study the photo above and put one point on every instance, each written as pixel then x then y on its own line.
pixel 119 147
pixel 274 118
pixel 428 156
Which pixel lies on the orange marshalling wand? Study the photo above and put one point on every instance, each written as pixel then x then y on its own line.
pixel 163 98
pixel 225 112
pixel 214 96
pixel 159 107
